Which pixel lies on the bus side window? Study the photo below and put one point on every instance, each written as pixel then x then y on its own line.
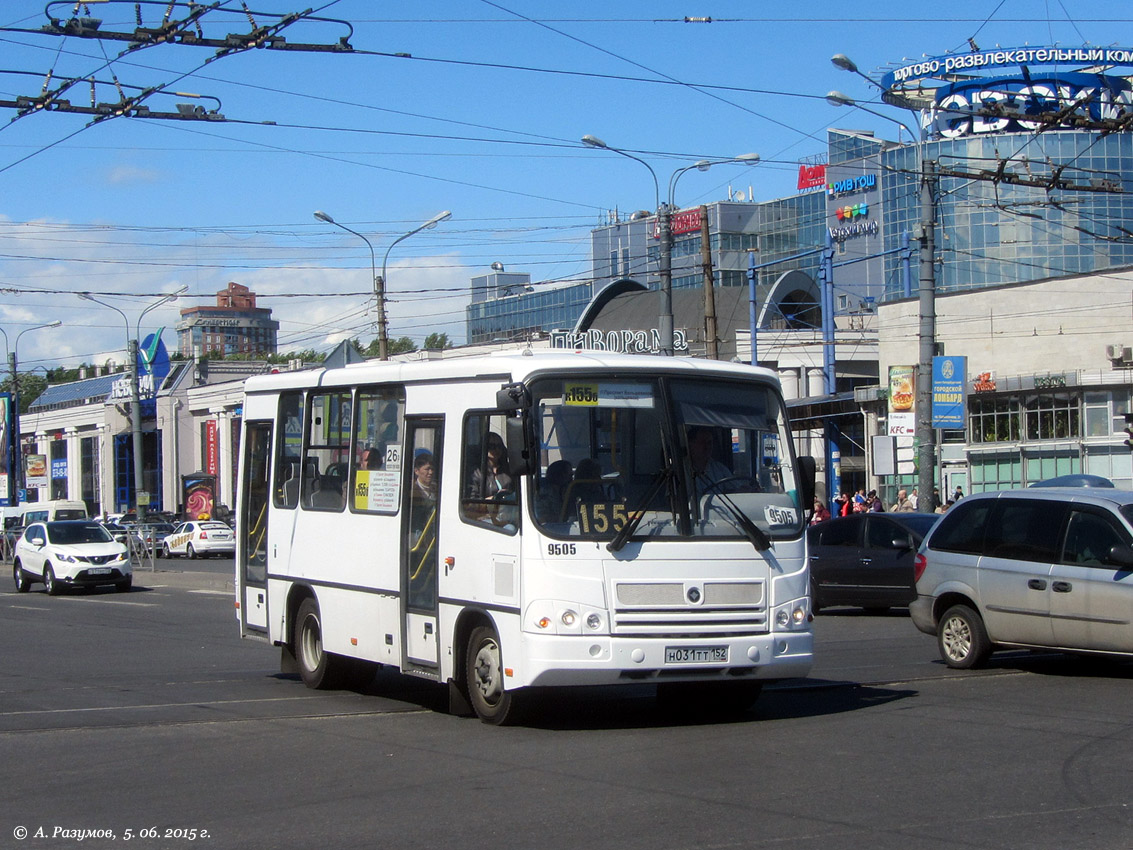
pixel 489 494
pixel 288 445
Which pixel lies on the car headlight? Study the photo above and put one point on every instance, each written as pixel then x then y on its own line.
pixel 63 556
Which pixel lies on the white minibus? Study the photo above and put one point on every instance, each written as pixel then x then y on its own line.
pixel 506 522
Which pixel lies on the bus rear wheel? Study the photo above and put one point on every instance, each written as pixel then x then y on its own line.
pixel 484 675
pixel 319 669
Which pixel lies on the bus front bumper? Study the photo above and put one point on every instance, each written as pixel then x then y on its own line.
pixel 555 660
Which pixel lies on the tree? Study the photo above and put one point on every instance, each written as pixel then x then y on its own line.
pixel 436 341
pixel 401 345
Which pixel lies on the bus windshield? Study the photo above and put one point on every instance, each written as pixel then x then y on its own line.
pixel 673 458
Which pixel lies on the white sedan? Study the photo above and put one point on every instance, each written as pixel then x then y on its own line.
pixel 199 538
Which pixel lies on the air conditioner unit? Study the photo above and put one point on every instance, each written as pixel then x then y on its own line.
pixel 1115 352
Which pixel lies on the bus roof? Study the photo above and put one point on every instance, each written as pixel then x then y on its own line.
pixel 503 366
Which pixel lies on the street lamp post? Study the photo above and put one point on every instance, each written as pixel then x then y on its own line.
pixel 926 308
pixel 140 500
pixel 13 364
pixel 380 281
pixel 665 232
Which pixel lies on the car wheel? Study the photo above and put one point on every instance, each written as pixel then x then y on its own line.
pixel 23 583
pixel 190 552
pixel 484 676
pixel 166 552
pixel 49 582
pixel 962 638
pixel 318 668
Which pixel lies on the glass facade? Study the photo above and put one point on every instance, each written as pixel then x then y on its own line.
pixel 519 316
pixel 991 233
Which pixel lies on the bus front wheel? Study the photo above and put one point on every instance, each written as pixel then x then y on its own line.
pixel 318 668
pixel 485 677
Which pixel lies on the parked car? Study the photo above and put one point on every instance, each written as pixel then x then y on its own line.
pixel 123 534
pixel 200 537
pixel 152 534
pixel 70 553
pixel 1037 568
pixel 866 559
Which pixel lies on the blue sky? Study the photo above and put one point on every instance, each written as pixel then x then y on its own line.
pixel 133 208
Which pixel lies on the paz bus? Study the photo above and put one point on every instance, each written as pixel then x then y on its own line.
pixel 508 522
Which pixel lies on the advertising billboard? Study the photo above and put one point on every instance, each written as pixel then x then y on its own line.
pixel 948 392
pixel 902 401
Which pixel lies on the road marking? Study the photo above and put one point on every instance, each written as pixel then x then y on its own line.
pixel 102 601
pixel 27 608
pixel 213 592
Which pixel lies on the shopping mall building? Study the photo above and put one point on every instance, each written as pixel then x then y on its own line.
pixel 1020 160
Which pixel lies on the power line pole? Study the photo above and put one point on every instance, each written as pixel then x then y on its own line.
pixel 926 334
pixel 710 331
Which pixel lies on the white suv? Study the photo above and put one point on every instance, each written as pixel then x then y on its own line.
pixel 70 553
pixel 1038 568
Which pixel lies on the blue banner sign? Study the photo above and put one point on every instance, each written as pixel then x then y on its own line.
pixel 948 392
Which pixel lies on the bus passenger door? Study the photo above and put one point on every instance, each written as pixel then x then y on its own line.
pixel 252 523
pixel 421 515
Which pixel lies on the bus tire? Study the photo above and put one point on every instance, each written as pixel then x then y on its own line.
pixel 484 675
pixel 319 669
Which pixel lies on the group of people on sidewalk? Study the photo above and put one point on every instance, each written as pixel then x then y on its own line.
pixel 847 503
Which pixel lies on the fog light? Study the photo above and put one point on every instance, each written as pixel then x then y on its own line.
pixel 593 621
pixel 569 618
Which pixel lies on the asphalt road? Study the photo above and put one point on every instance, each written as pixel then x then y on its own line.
pixel 145 711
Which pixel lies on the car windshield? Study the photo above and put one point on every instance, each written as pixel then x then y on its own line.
pixel 158 528
pixel 673 458
pixel 69 533
pixel 208 526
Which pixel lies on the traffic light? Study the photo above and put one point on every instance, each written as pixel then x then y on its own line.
pixel 1129 430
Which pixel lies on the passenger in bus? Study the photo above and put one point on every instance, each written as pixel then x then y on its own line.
pixel 424 484
pixel 551 498
pixel 587 485
pixel 494 483
pixel 423 496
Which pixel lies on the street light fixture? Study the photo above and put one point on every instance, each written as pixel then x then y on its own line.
pixel 665 268
pixel 379 281
pixel 665 232
pixel 13 364
pixel 140 495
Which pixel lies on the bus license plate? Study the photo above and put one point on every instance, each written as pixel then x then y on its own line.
pixel 695 654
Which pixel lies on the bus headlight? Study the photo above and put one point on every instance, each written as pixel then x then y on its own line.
pixel 593 621
pixel 793 616
pixel 569 618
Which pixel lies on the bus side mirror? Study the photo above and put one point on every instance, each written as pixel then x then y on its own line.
pixel 808 470
pixel 518 447
pixel 513 397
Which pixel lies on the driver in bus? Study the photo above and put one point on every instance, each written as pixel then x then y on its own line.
pixel 706 470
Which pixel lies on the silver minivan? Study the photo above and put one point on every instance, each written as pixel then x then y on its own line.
pixel 1038 568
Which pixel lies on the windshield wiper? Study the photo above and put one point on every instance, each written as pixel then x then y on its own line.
pixel 756 535
pixel 638 513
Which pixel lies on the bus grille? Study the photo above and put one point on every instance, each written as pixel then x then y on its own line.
pixel 663 609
